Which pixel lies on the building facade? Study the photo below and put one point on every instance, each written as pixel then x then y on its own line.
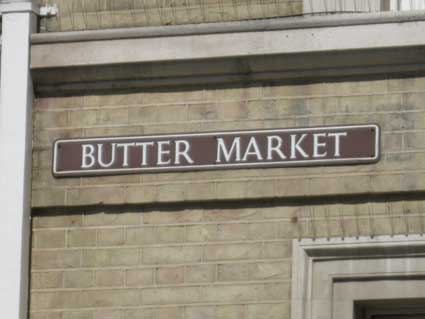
pixel 300 241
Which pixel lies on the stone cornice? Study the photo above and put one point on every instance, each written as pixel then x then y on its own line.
pixel 369 47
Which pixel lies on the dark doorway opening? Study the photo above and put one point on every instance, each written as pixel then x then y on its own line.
pixel 390 309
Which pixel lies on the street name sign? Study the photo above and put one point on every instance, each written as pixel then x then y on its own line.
pixel 314 146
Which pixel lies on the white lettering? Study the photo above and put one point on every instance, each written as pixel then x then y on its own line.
pixel 145 151
pixel 337 142
pixel 318 145
pixel 222 150
pixel 125 147
pixel 162 152
pixel 100 155
pixel 182 152
pixel 274 145
pixel 252 150
pixel 295 146
pixel 88 159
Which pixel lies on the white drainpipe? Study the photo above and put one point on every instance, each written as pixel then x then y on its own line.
pixel 19 19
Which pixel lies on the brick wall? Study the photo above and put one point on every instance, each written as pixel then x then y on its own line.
pixel 397 105
pixel 203 262
pixel 105 14
pixel 167 245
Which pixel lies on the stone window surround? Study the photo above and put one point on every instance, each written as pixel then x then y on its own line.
pixel 323 288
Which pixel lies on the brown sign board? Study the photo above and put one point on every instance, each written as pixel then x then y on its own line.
pixel 317 146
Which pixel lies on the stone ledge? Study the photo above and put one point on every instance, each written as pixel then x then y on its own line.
pixel 293 54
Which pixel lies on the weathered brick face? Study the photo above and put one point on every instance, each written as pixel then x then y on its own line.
pixel 196 262
pixel 397 105
pixel 107 14
pixel 224 250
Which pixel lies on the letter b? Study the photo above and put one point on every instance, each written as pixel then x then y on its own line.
pixel 87 159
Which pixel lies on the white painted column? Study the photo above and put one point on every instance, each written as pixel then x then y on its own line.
pixel 15 162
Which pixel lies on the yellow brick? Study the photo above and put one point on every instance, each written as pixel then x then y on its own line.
pixel 252 292
pixel 413 101
pixel 259 189
pixel 172 113
pixel 182 217
pixel 82 238
pixel 200 191
pixel 140 235
pixel 112 116
pixel 45 315
pixel 325 105
pixel 140 194
pixel 200 273
pixel 115 99
pixel 49 239
pixel 170 275
pixel 109 278
pixel 59 103
pixel 172 255
pixel 170 312
pixel 142 115
pixel 140 314
pixel 277 249
pixel 47 197
pixel 171 192
pixel 95 195
pixel 108 314
pixel 233 251
pixel 406 84
pixel 47 221
pixel 50 119
pixel 172 97
pixel 232 214
pixel 46 138
pixel 200 312
pixel 139 277
pixel 231 190
pixel 77 315
pixel 272 311
pixel 198 112
pixel 41 158
pixel 254 271
pixel 178 295
pixel 112 219
pixel 294 90
pixel 78 279
pixel 171 234
pixel 201 233
pixel 230 312
pixel 235 93
pixel 110 257
pixel 56 259
pixel 45 280
pixel 42 178
pixel 93 131
pixel 292 187
pixel 236 110
pixel 110 180
pixel 233 231
pixel 111 237
pixel 84 299
pixel 83 118
pixel 386 182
